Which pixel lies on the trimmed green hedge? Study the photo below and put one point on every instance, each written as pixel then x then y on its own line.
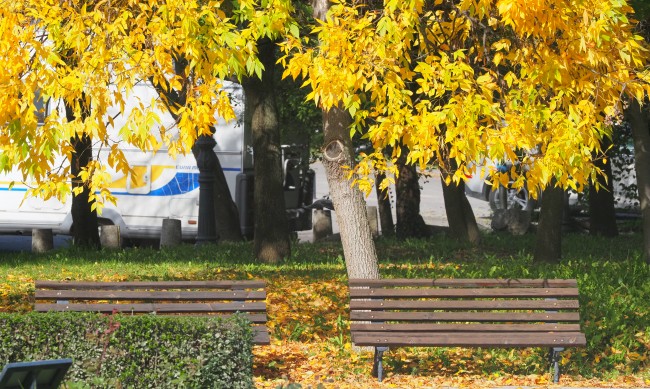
pixel 145 351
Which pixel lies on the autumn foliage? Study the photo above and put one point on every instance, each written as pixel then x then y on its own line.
pixel 532 82
pixel 91 55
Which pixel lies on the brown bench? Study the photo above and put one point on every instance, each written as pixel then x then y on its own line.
pixel 465 313
pixel 196 298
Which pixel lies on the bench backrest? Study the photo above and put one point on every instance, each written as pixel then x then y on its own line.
pixel 159 297
pixel 477 307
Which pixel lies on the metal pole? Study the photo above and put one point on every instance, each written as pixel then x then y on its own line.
pixel 206 161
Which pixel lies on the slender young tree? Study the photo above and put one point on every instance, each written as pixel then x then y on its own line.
pixel 602 215
pixel 85 224
pixel 410 223
pixel 548 244
pixel 460 216
pixel 639 118
pixel 271 233
pixel 338 153
pixel 384 207
pixel 226 213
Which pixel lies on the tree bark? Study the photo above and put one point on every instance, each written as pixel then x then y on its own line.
pixel 271 231
pixel 384 207
pixel 85 223
pixel 460 216
pixel 225 209
pixel 640 122
pixel 410 223
pixel 356 238
pixel 602 215
pixel 548 245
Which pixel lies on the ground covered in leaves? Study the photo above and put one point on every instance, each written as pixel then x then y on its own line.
pixel 311 349
pixel 309 316
pixel 287 364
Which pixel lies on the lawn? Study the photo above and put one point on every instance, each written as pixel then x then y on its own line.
pixel 308 316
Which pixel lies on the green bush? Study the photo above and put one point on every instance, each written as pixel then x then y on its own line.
pixel 145 351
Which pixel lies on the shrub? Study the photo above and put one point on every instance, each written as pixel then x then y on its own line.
pixel 144 351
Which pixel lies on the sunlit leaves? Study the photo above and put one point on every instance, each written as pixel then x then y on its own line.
pixel 92 56
pixel 532 82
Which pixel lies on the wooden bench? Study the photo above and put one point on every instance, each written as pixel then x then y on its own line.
pixel 196 298
pixel 465 313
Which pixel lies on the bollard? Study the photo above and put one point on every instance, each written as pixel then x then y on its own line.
pixel 170 235
pixel 109 237
pixel 322 226
pixel 42 240
pixel 373 220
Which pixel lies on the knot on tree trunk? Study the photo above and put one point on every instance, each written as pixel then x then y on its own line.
pixel 333 151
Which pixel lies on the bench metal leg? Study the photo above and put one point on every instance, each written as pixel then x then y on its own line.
pixel 377 366
pixel 555 360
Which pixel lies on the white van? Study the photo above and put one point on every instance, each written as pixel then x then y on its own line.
pixel 164 187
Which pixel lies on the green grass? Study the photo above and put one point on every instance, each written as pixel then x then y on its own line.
pixel 613 278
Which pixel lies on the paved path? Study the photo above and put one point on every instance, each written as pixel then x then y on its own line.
pixel 432 206
pixel 13 243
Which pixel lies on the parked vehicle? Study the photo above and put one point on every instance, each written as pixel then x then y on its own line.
pixel 161 187
pixel 478 186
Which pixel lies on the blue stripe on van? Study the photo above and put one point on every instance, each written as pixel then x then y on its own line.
pixel 181 183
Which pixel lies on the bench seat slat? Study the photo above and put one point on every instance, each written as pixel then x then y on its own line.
pixel 154 307
pixel 462 327
pixel 187 298
pixel 132 285
pixel 466 316
pixel 464 293
pixel 261 335
pixel 471 339
pixel 459 283
pixel 464 304
pixel 510 313
pixel 147 295
pixel 126 309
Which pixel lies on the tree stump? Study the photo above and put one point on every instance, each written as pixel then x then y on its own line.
pixel 170 234
pixel 109 237
pixel 322 227
pixel 42 240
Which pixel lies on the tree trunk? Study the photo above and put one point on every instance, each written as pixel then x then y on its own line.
pixel 602 216
pixel 640 122
pixel 548 247
pixel 271 232
pixel 410 223
pixel 85 223
pixel 384 207
pixel 460 216
pixel 356 238
pixel 225 209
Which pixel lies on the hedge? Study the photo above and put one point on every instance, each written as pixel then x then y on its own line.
pixel 144 351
